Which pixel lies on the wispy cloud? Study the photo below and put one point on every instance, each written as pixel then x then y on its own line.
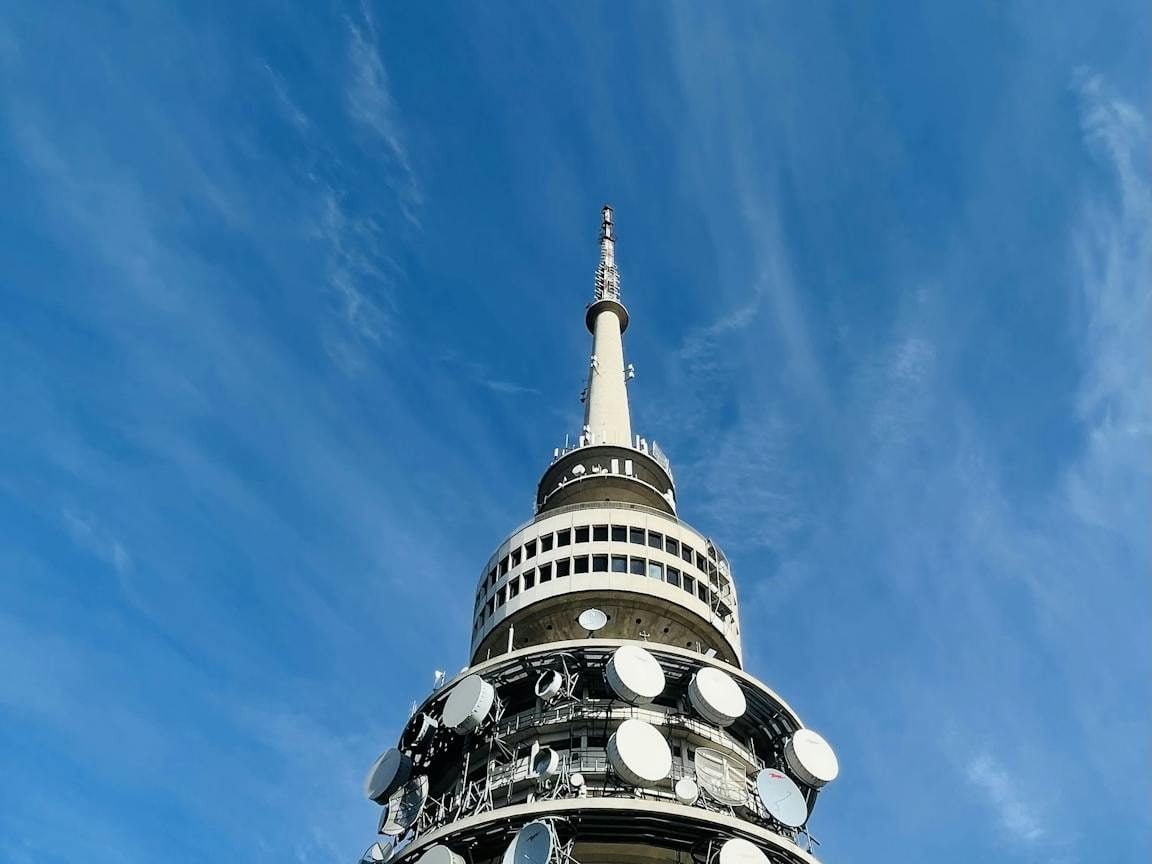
pixel 1019 817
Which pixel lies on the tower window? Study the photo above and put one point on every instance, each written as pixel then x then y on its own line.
pixel 545 573
pixel 689 584
pixel 529 579
pixel 686 552
pixel 546 543
pixel 492 578
pixel 581 564
pixel 529 549
pixel 513 587
pixel 619 563
pixel 501 596
pixel 582 534
pixel 655 570
pixel 516 556
pixel 564 538
pixel 636 535
pixel 491 605
pixel 563 567
pixel 599 563
pixel 600 533
pixel 619 534
pixel 503 565
pixel 655 539
pixel 673 576
pixel 636 566
pixel 672 546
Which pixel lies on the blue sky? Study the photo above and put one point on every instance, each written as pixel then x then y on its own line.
pixel 292 319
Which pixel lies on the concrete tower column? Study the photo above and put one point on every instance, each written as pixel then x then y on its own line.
pixel 606 417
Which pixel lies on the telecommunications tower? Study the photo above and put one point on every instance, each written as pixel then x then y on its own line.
pixel 605 717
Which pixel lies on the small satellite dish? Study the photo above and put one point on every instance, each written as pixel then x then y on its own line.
pixel 576 780
pixel 375 854
pixel 721 776
pixel 549 684
pixel 404 806
pixel 468 704
pixel 386 775
pixel 687 792
pixel 545 763
pixel 440 854
pixel 737 851
pixel 577 470
pixel 811 758
pixel 533 844
pixel 781 797
pixel 635 675
pixel 592 620
pixel 716 696
pixel 639 753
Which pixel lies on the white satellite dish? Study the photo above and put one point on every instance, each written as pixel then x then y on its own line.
pixel 716 696
pixel 639 753
pixel 687 792
pixel 592 620
pixel 738 851
pixel 533 844
pixel 576 779
pixel 404 806
pixel 545 763
pixel 387 773
pixel 468 704
pixel 781 797
pixel 549 684
pixel 375 854
pixel 811 758
pixel 440 854
pixel 721 776
pixel 635 675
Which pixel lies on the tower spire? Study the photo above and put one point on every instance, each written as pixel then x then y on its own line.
pixel 606 416
pixel 607 276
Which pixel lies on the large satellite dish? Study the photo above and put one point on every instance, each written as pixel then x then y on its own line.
pixel 721 776
pixel 592 620
pixel 738 851
pixel 639 753
pixel 440 854
pixel 404 806
pixel 781 797
pixel 811 758
pixel 635 675
pixel 716 696
pixel 533 844
pixel 386 775
pixel 468 704
pixel 687 792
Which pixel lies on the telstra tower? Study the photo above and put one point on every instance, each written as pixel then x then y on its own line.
pixel 606 717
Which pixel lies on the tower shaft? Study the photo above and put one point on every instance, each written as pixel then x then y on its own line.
pixel 606 415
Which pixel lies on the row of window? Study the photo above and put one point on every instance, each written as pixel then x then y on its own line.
pixel 597 534
pixel 600 564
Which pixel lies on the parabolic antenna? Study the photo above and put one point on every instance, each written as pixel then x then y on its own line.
pixel 811 758
pixel 440 854
pixel 418 729
pixel 639 753
pixel 635 675
pixel 375 854
pixel 386 775
pixel 468 704
pixel 549 684
pixel 576 779
pixel 533 844
pixel 716 696
pixel 781 797
pixel 721 776
pixel 545 763
pixel 687 792
pixel 592 620
pixel 737 851
pixel 404 806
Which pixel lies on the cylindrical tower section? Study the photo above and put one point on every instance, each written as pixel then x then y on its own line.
pixel 606 417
